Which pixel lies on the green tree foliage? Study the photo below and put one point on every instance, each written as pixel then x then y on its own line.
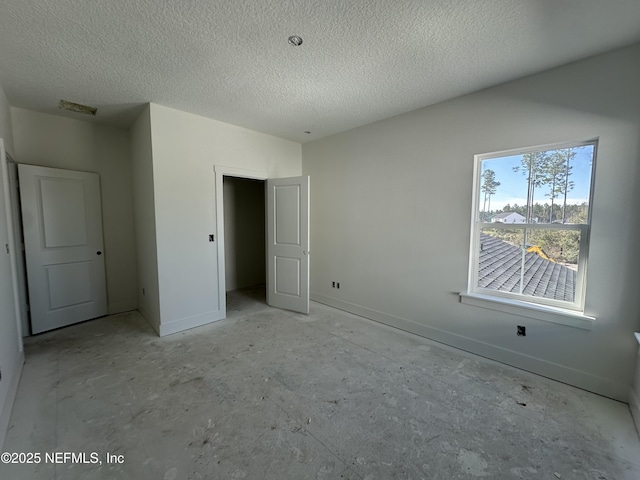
pixel 551 169
pixel 568 184
pixel 562 246
pixel 554 169
pixel 577 213
pixel 532 166
pixel 489 187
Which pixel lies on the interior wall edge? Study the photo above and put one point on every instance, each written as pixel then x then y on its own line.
pixel 151 320
pixel 634 406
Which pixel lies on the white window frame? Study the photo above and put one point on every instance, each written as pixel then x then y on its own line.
pixel 480 296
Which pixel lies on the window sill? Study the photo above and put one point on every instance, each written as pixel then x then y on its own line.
pixel 539 312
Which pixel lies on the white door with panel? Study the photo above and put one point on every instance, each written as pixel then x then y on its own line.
pixel 62 221
pixel 288 243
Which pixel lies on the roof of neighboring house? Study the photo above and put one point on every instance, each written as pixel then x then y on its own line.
pixel 505 214
pixel 500 268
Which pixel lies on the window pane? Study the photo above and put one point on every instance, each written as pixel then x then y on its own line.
pixel 502 191
pixel 533 199
pixel 500 259
pixel 546 186
pixel 551 264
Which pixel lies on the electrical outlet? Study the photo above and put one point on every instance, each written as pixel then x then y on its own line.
pixel 522 331
pixel 337 284
pixel 333 284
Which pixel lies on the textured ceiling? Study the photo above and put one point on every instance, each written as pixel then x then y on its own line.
pixel 361 60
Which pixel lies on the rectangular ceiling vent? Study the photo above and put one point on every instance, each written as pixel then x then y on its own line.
pixel 77 107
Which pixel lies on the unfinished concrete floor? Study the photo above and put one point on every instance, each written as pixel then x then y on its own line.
pixel 268 394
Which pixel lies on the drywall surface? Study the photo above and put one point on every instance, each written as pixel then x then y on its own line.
pixel 185 149
pixel 244 232
pixel 145 222
pixel 51 141
pixel 391 215
pixel 11 355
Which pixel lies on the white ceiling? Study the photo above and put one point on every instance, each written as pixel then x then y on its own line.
pixel 361 60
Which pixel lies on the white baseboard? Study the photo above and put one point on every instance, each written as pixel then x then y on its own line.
pixel 603 386
pixel 188 323
pixel 13 375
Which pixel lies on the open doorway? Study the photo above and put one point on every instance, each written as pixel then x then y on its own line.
pixel 244 236
pixel 244 232
pixel 286 201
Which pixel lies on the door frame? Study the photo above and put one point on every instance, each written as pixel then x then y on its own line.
pixel 11 241
pixel 222 171
pixel 19 252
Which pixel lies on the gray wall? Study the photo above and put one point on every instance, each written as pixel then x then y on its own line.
pixel 244 232
pixel 11 356
pixel 145 220
pixel 186 149
pixel 391 215
pixel 58 142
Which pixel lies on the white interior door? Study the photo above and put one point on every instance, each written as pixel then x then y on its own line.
pixel 62 221
pixel 288 243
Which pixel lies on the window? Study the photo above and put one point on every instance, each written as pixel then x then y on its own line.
pixel 531 224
